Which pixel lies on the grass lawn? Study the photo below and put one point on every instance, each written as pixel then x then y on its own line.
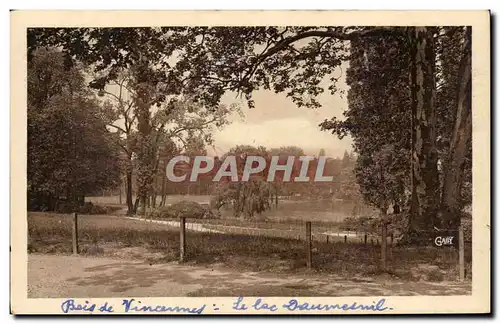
pixel 105 235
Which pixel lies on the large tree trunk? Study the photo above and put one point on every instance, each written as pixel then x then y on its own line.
pixel 136 204
pixel 128 184
pixel 155 192
pixel 153 200
pixel 425 181
pixel 147 139
pixel 145 156
pixel 462 132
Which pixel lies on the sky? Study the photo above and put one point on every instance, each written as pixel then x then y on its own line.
pixel 276 121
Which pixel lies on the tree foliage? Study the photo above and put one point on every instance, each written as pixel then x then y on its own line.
pixel 247 198
pixel 409 92
pixel 150 107
pixel 70 152
pixel 378 118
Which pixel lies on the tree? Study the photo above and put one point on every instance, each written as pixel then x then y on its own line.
pixel 380 186
pixel 167 151
pixel 178 119
pixel 346 159
pixel 378 118
pixel 247 197
pixel 70 151
pixel 348 187
pixel 120 108
pixel 286 188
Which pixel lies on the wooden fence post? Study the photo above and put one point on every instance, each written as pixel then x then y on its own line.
pixel 366 238
pixel 182 246
pixel 327 238
pixel 309 245
pixel 75 233
pixel 461 256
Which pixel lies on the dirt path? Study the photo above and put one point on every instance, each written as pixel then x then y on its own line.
pixel 75 276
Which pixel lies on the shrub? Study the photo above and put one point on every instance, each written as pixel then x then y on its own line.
pixel 65 207
pixel 187 209
pixel 86 208
pixel 89 208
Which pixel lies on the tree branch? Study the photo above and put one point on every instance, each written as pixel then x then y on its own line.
pixel 118 128
pixel 182 129
pixel 112 94
pixel 286 42
pixel 124 148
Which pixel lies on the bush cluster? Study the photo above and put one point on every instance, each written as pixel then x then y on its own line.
pixel 87 208
pixel 188 209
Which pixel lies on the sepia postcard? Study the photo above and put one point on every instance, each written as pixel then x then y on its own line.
pixel 250 162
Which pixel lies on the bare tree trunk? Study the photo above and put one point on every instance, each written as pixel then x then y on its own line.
pixel 384 240
pixel 163 188
pixel 136 204
pixel 462 133
pixel 425 182
pixel 130 205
